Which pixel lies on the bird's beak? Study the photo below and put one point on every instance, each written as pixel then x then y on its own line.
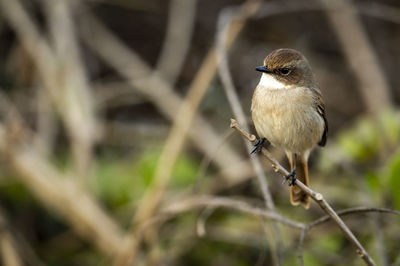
pixel 263 69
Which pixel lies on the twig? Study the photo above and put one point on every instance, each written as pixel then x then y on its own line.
pixel 179 32
pixel 201 221
pixel 317 197
pixel 45 181
pixel 353 211
pixel 73 84
pixel 224 25
pixel 206 161
pixel 326 218
pixel 225 20
pixel 174 145
pixel 153 195
pixel 46 123
pixel 381 11
pixel 13 247
pixel 10 254
pixel 77 119
pixel 221 202
pixel 158 91
pixel 358 50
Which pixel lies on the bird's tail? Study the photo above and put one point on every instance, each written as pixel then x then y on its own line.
pixel 297 196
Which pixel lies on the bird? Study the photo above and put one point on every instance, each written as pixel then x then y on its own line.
pixel 288 110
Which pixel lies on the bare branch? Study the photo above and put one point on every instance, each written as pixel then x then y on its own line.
pixel 158 91
pixel 72 100
pixel 326 218
pixel 179 32
pixel 73 86
pixel 174 145
pixel 13 247
pixel 179 206
pixel 317 197
pixel 353 211
pixel 10 254
pixel 201 221
pixel 225 26
pixel 359 52
pixel 46 182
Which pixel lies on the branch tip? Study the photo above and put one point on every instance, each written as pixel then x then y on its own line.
pixel 233 123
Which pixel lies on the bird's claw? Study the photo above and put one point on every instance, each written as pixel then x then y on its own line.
pixel 292 177
pixel 258 145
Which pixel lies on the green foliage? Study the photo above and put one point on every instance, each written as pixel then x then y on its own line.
pixel 361 142
pixel 370 138
pixel 393 177
pixel 123 181
pixel 118 182
pixel 310 259
pixel 385 182
pixel 328 243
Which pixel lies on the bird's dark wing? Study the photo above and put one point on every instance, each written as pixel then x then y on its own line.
pixel 320 108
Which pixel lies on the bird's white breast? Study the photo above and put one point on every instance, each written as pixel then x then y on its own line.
pixel 286 115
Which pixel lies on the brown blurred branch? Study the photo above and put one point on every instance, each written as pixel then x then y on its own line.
pixel 140 76
pixel 68 92
pixel 57 190
pixel 224 27
pixel 13 246
pixel 172 208
pixel 184 205
pixel 226 24
pixel 73 85
pixel 317 197
pixel 176 139
pixel 10 254
pixel 360 54
pixel 61 194
pixel 181 21
pixel 381 11
pixel 326 218
pixel 169 65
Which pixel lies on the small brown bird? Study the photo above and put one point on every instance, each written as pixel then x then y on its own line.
pixel 287 109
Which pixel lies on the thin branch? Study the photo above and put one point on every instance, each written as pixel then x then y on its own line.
pixel 10 253
pixel 45 181
pixel 355 210
pixel 13 246
pixel 179 206
pixel 317 197
pixel 206 161
pixel 358 51
pixel 137 73
pixel 326 218
pixel 176 138
pixel 73 84
pixel 201 221
pixel 301 244
pixel 225 25
pixel 179 32
pixel 73 113
pixel 174 144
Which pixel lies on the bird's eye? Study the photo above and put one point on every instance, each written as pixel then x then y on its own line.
pixel 285 71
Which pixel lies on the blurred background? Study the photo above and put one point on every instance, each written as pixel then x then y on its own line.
pixel 115 145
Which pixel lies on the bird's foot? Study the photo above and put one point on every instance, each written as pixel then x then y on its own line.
pixel 258 146
pixel 291 177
